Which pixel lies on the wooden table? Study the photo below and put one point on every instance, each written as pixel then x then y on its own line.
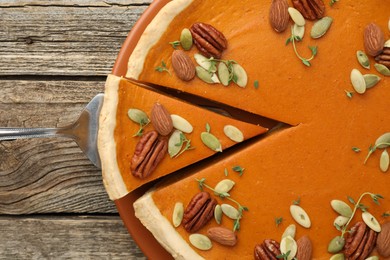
pixel 54 57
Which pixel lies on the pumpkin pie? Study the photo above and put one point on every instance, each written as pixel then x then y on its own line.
pixel 332 156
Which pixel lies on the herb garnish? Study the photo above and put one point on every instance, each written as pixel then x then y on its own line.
pixel 373 148
pixel 332 2
pixel 229 64
pixel 386 214
pixel 349 94
pixel 142 124
pixel 256 84
pixel 175 44
pixel 278 221
pixel 356 149
pixel 183 139
pixel 313 49
pixel 284 256
pixel 239 169
pixel 241 208
pixel 162 68
pixel 297 201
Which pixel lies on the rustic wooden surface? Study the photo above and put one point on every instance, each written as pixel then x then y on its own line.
pixel 54 56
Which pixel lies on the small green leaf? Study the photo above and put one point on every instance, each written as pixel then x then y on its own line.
pixel 297 201
pixel 349 94
pixel 313 50
pixel 356 149
pixel 306 62
pixel 278 221
pixel 208 128
pixel 386 214
pixel 175 44
pixel 226 172
pixel 288 41
pixel 238 169
pixel 256 84
pixel 351 200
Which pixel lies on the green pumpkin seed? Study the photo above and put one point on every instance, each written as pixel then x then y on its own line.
pixel 300 216
pixel 233 133
pixel 384 161
pixel 230 211
pixel 371 221
pixel 290 231
pixel 374 257
pixel 200 241
pixel 205 62
pixel 299 30
pixel 223 73
pixel 341 207
pixel 211 141
pixel 177 215
pixel 181 124
pixel 339 256
pixel 138 116
pixel 340 221
pixel 240 73
pixel 363 59
pixel 296 16
pixel 357 81
pixel 382 69
pixel 336 245
pixel 218 214
pixel 321 27
pixel 174 143
pixel 383 141
pixel 371 80
pixel 186 39
pixel 204 75
pixel 288 244
pixel 224 186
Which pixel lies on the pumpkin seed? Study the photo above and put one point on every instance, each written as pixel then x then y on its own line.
pixel 138 116
pixel 288 244
pixel 384 161
pixel 186 39
pixel 211 141
pixel 230 211
pixel 177 215
pixel 339 256
pixel 371 221
pixel 223 73
pixel 371 80
pixel 215 78
pixel 181 124
pixel 374 257
pixel 340 221
pixel 224 186
pixel 357 81
pixel 205 62
pixel 200 241
pixel 300 216
pixel 299 30
pixel 218 214
pixel 175 143
pixel 342 208
pixel 240 73
pixel 321 27
pixel 363 59
pixel 290 231
pixel 204 75
pixel 382 69
pixel 296 16
pixel 233 133
pixel 336 245
pixel 383 140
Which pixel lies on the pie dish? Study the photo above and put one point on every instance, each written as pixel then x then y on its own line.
pixel 316 159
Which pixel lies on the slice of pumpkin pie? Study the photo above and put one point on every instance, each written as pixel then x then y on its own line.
pixel 144 135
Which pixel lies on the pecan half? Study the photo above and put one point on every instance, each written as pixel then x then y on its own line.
pixel 360 243
pixel 310 9
pixel 268 250
pixel 198 212
pixel 384 57
pixel 150 150
pixel 209 41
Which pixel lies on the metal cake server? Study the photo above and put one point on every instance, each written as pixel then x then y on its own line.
pixel 83 131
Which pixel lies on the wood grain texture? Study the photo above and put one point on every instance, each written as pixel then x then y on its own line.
pixel 47 175
pixel 63 40
pixel 81 237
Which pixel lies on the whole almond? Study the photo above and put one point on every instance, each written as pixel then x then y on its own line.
pixel 182 65
pixel 374 39
pixel 383 241
pixel 305 248
pixel 223 236
pixel 278 15
pixel 161 119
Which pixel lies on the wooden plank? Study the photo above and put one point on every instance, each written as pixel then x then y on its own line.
pixel 47 175
pixel 63 40
pixel 81 237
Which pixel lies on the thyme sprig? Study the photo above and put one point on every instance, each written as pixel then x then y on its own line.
pixel 358 205
pixel 373 148
pixel 142 125
pixel 313 49
pixel 284 256
pixel 187 142
pixel 278 221
pixel 241 208
pixel 229 64
pixel 175 44
pixel 162 68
